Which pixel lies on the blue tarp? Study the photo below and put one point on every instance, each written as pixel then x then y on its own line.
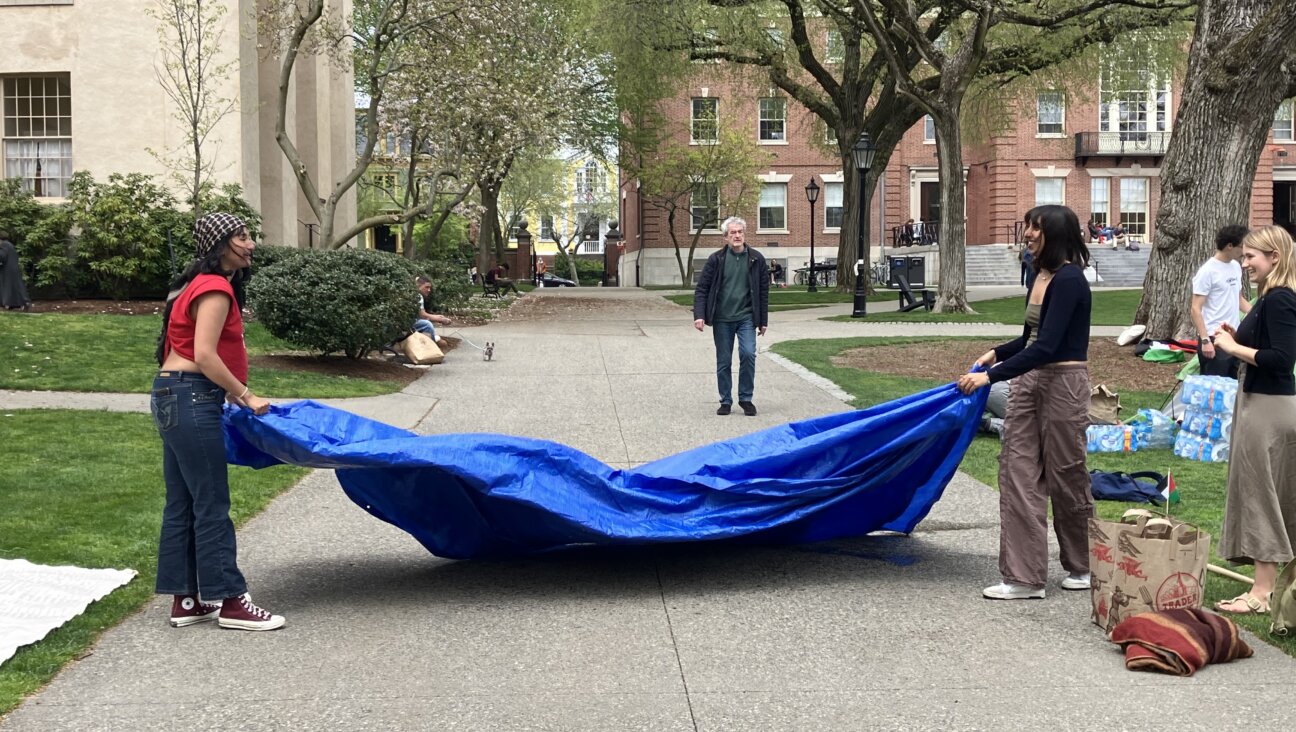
pixel 487 495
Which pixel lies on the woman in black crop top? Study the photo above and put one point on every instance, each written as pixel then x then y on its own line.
pixel 1043 453
pixel 1262 463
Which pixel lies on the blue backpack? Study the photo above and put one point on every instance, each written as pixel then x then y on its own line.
pixel 1141 487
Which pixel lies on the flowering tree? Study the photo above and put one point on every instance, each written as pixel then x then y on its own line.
pixel 469 86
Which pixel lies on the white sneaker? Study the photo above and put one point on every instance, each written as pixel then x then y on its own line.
pixel 1076 582
pixel 1006 591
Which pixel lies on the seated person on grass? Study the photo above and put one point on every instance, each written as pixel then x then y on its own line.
pixel 425 322
pixel 499 276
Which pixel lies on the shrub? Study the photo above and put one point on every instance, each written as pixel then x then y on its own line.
pixel 588 271
pixel 41 234
pixel 132 238
pixel 350 301
pixel 268 255
pixel 122 225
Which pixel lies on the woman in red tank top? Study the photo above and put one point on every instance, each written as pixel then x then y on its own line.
pixel 204 364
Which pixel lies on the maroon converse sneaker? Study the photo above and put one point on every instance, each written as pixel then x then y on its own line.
pixel 240 614
pixel 187 610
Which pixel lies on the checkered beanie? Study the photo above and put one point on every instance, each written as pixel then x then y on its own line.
pixel 212 229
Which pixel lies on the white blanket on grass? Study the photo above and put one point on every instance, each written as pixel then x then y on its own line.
pixel 35 598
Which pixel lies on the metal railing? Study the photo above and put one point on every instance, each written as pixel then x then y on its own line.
pixel 1121 143
pixel 924 234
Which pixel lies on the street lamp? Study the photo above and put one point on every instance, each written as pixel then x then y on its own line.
pixel 864 151
pixel 812 195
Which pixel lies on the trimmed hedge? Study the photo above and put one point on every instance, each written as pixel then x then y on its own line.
pixel 349 301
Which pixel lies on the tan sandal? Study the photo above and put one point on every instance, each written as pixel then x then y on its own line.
pixel 1254 605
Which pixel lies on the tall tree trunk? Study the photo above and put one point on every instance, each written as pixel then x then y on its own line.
pixel 679 257
pixel 487 234
pixel 951 291
pixel 1234 84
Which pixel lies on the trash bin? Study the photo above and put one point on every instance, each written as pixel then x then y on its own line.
pixel 917 272
pixel 897 268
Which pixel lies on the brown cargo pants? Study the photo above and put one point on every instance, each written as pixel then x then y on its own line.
pixel 1043 459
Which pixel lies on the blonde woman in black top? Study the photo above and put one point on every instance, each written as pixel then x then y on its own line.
pixel 1260 508
pixel 1043 455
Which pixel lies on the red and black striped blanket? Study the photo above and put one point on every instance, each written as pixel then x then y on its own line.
pixel 1178 641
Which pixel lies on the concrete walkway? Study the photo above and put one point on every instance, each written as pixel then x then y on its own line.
pixel 880 632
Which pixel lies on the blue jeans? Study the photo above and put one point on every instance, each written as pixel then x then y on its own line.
pixel 196 551
pixel 724 334
pixel 425 327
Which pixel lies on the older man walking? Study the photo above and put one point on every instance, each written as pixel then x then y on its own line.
pixel 732 297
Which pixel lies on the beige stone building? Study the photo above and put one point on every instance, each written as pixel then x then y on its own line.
pixel 81 93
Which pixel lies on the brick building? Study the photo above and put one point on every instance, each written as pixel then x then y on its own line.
pixel 1099 153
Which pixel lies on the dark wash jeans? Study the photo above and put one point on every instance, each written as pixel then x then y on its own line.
pixel 196 552
pixel 724 334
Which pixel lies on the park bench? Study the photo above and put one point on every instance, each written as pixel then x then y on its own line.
pixel 490 289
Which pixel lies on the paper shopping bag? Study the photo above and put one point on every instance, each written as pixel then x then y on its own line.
pixel 1144 563
pixel 421 349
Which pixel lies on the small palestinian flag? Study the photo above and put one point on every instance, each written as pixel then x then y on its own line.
pixel 1171 492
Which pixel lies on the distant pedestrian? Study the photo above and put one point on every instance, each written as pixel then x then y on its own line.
pixel 1042 458
pixel 204 364
pixel 13 290
pixel 1027 268
pixel 732 296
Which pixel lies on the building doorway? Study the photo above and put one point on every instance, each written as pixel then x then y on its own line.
pixel 929 200
pixel 1284 202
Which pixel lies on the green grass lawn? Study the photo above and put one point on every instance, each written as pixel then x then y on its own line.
pixel 1202 485
pixel 114 353
pixel 85 488
pixel 1110 307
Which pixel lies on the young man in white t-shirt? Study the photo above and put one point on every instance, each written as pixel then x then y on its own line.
pixel 1217 298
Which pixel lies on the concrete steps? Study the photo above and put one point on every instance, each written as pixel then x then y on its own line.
pixel 1120 268
pixel 992 264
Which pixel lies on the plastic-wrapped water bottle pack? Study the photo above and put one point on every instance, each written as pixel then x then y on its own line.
pixel 1203 449
pixel 1208 420
pixel 1111 438
pixel 1214 394
pixel 1153 429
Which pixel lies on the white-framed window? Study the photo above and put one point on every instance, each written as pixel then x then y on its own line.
pixel 1050 114
pixel 1100 200
pixel 773 119
pixel 704 124
pixel 1282 126
pixel 830 135
pixel 589 182
pixel 547 228
pixel 832 196
pixel 1133 104
pixel 1134 205
pixel 772 212
pixel 38 133
pixel 929 130
pixel 705 207
pixel 834 47
pixel 1050 191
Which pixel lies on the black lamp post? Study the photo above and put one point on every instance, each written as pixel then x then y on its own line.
pixel 863 151
pixel 812 195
